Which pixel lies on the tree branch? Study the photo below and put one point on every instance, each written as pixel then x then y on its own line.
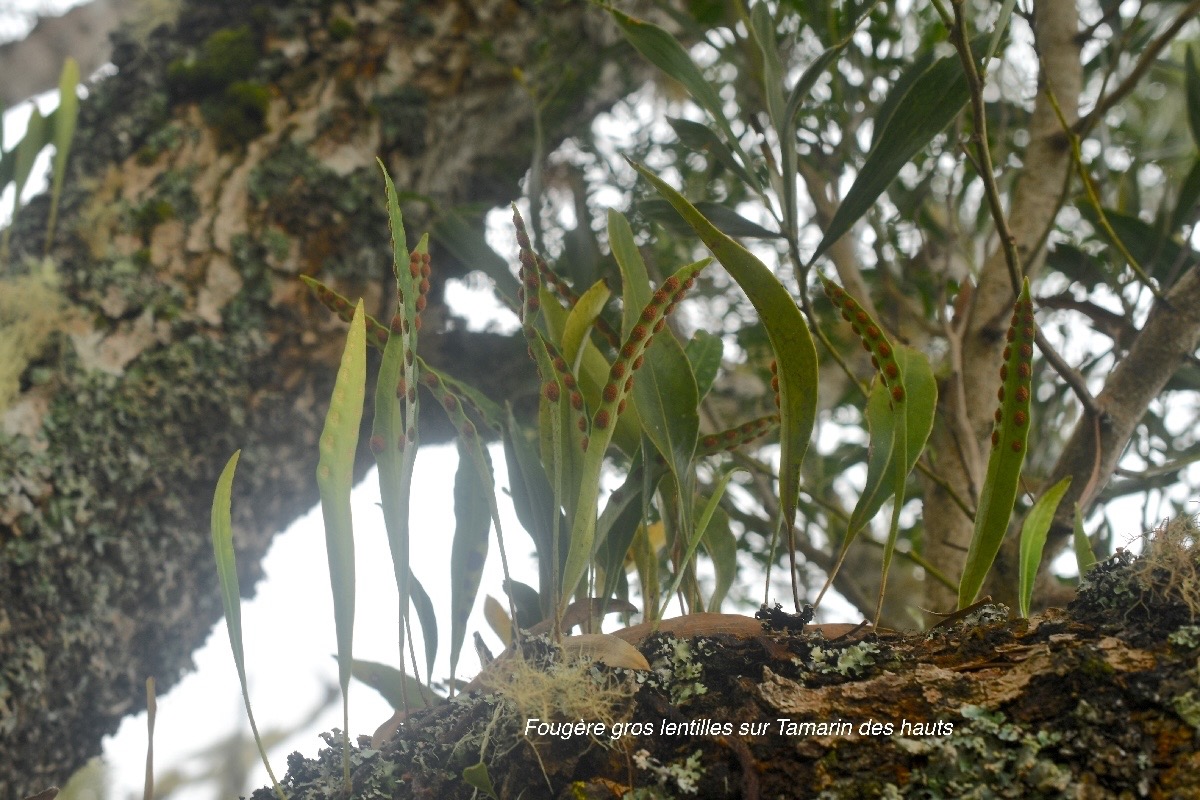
pixel 1171 335
pixel 1083 126
pixel 31 65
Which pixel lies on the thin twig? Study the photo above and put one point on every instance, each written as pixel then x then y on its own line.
pixel 1008 242
pixel 1094 197
pixel 947 488
pixel 1161 469
pixel 1067 373
pixel 1145 62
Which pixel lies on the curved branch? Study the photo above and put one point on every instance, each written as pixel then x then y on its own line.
pixel 1169 337
pixel 31 65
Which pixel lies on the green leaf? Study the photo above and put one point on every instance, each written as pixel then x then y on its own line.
pixel 635 281
pixel 881 425
pixel 221 528
pixel 617 390
pixel 1078 266
pixel 705 350
pixel 526 601
pixel 663 51
pixel 914 421
pixel 394 685
pixel 1002 20
pixel 559 438
pixel 222 541
pixel 475 510
pixel 721 547
pixel 899 423
pixel 533 496
pixel 1155 251
pixel 667 400
pixel 428 619
pixel 935 97
pixel 464 240
pixel 396 407
pixel 472 524
pixel 919 404
pixel 762 29
pixel 477 776
pixel 724 218
pixel 335 476
pixel 1009 443
pixel 622 515
pixel 645 560
pixel 808 79
pixel 1084 557
pixel 700 137
pixel 64 131
pixel 1189 196
pixel 1033 539
pixel 1192 88
pixel 592 375
pixel 790 339
pixel 580 320
pixel 898 91
pixel 694 537
pixel 36 137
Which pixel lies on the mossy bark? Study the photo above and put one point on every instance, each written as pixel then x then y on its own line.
pixel 1101 700
pixel 230 154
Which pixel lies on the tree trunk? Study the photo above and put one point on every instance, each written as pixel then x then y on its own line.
pixel 228 156
pixel 960 448
pixel 1098 701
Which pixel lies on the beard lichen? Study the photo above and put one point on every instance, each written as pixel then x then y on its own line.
pixel 31 309
pixel 1162 583
pixel 539 683
pixel 1170 563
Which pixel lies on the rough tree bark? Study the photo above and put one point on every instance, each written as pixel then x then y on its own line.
pixel 1097 701
pixel 229 155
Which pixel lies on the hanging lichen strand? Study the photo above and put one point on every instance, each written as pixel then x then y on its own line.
pixel 1009 439
pixel 874 341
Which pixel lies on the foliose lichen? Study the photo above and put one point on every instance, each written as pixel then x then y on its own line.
pixel 986 750
pixel 851 662
pixel 685 776
pixel 677 668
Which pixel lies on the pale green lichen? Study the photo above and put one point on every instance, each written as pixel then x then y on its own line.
pixel 1187 704
pixel 675 667
pixel 685 777
pixel 988 754
pixel 1186 637
pixel 32 309
pixel 851 661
